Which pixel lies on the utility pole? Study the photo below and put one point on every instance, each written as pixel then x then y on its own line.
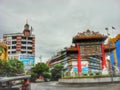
pixel 40 58
pixel 111 71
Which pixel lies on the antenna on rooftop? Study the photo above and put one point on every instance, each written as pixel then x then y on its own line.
pixel 40 58
pixel 26 21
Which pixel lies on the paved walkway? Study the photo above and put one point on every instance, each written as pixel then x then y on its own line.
pixel 55 86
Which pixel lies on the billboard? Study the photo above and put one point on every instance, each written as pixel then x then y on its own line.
pixel 84 67
pixel 27 59
pixel 75 69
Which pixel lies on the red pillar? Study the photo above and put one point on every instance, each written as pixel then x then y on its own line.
pixel 103 56
pixel 79 60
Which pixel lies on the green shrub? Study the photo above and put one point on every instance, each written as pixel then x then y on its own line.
pixel 33 76
pixel 46 74
pixel 84 74
pixel 91 74
pixel 98 73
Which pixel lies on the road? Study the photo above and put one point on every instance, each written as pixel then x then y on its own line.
pixel 55 86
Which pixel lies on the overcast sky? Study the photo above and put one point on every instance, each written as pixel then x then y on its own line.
pixel 55 22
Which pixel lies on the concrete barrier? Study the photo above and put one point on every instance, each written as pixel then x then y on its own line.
pixel 9 88
pixel 90 80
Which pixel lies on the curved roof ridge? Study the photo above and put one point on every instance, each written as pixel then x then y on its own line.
pixel 115 39
pixel 89 33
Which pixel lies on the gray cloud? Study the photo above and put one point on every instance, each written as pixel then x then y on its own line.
pixel 55 22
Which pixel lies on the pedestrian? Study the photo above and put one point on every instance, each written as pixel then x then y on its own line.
pixel 26 85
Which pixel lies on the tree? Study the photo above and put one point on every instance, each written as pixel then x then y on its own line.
pixel 16 66
pixel 11 66
pixel 57 71
pixel 4 67
pixel 47 76
pixel 1 68
pixel 41 69
pixel 33 76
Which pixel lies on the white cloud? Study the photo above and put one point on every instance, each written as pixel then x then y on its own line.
pixel 55 22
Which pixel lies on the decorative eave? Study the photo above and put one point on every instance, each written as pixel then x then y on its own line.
pixel 73 49
pixel 114 40
pixel 109 48
pixel 88 35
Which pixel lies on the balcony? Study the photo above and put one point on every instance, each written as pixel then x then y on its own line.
pixel 27 45
pixel 30 45
pixel 29 40
pixel 24 40
pixel 29 50
pixel 11 50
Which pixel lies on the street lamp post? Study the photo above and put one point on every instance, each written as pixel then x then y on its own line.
pixel 40 59
pixel 111 71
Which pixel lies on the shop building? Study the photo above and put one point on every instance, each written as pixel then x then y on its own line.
pixel 87 55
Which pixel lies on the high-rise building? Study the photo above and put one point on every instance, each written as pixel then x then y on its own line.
pixel 21 46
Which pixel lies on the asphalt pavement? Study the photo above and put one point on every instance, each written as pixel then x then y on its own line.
pixel 56 86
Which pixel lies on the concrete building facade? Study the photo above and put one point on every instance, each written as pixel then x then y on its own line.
pixel 21 45
pixel 88 55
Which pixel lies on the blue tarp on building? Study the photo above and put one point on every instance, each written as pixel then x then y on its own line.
pixel 112 56
pixel 118 52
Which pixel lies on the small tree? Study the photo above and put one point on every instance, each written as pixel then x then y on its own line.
pixel 33 76
pixel 57 71
pixel 41 69
pixel 47 76
pixel 16 66
pixel 2 68
pixel 10 67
